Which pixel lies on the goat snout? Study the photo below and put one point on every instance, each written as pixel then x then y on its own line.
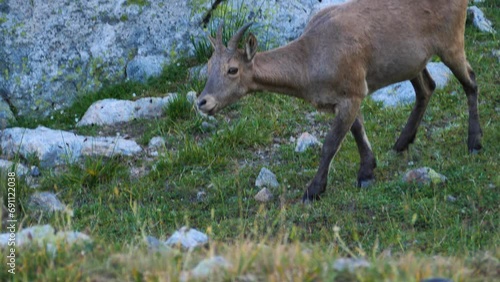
pixel 206 104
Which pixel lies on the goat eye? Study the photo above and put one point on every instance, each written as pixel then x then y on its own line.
pixel 232 71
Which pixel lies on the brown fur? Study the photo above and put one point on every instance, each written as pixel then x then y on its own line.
pixel 345 53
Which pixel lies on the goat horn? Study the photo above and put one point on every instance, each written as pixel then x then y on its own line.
pixel 233 43
pixel 218 37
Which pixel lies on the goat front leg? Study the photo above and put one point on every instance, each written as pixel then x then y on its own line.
pixel 346 110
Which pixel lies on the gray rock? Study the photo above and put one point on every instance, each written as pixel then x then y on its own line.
pixel 209 267
pixel 45 235
pixel 350 264
pixel 305 141
pixel 45 201
pixel 496 53
pixel 187 238
pixel 403 93
pixel 207 126
pixel 56 147
pixel 153 242
pixel 6 115
pixel 264 195
pixel 20 169
pixel 425 176
pixel 143 67
pixel 479 20
pixel 200 196
pixel 191 97
pixel 155 145
pixel 112 111
pixel 156 142
pixel 34 171
pixel 451 198
pixel 266 179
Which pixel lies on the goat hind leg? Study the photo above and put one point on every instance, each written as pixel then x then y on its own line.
pixel 424 87
pixel 368 162
pixel 346 114
pixel 466 76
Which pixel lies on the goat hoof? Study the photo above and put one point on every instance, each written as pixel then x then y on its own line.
pixel 309 198
pixel 475 151
pixel 366 183
pixel 400 148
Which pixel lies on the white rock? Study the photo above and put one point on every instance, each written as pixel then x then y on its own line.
pixel 55 147
pixel 188 238
pixel 45 201
pixel 156 143
pixel 45 235
pixel 350 264
pixel 479 20
pixel 496 53
pixel 266 179
pixel 425 176
pixel 191 97
pixel 264 195
pixel 208 267
pixel 111 111
pixel 403 93
pixel 19 168
pixel 305 141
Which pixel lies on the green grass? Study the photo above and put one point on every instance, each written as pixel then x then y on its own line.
pixel 425 234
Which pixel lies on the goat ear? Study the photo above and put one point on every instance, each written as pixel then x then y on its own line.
pixel 251 47
pixel 212 41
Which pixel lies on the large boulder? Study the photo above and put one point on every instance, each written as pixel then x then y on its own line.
pixel 53 51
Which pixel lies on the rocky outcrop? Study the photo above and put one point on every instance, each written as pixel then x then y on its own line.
pixel 53 51
pixel 57 147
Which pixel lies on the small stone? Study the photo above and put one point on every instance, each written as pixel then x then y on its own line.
pixel 156 142
pixel 209 267
pixel 45 201
pixel 266 179
pixel 496 53
pixel 191 97
pixel 424 175
pixel 350 264
pixel 35 172
pixel 305 141
pixel 188 238
pixel 200 196
pixel 264 195
pixel 207 126
pixel 451 198
pixel 153 242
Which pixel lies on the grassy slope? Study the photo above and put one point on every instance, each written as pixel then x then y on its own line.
pixel 413 223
